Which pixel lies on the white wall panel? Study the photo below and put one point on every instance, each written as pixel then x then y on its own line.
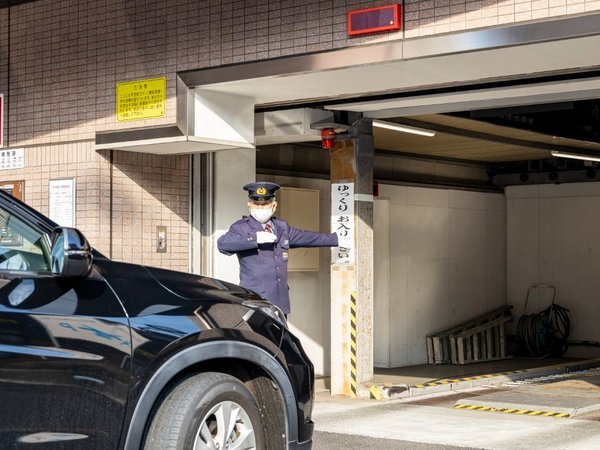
pixel 427 299
pixel 430 198
pixel 496 203
pixel 553 239
pixel 399 276
pixel 522 217
pixel 426 229
pixel 469 200
pixel 468 262
pixel 232 170
pixel 496 293
pixel 398 318
pixel 447 263
pixel 381 283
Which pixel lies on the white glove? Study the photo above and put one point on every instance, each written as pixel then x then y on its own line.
pixel 264 237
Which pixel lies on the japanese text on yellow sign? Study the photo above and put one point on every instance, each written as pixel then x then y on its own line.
pixel 142 99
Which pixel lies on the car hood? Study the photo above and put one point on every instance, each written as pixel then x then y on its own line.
pixel 191 286
pixel 142 289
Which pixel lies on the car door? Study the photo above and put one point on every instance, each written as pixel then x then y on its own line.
pixel 64 348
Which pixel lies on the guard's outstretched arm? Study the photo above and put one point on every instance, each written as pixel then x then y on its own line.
pixel 236 241
pixel 304 238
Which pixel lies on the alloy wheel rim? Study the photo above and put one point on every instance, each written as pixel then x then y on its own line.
pixel 226 426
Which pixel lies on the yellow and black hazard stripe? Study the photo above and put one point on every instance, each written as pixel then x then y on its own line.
pixel 353 344
pixel 375 393
pixel 474 377
pixel 453 380
pixel 521 412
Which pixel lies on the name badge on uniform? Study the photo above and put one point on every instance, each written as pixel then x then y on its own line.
pixel 285 256
pixel 286 242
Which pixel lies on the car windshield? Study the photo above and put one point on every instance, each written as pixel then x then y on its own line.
pixel 21 246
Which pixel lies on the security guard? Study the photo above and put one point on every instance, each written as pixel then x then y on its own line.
pixel 262 243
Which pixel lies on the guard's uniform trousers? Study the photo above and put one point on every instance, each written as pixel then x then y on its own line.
pixel 263 267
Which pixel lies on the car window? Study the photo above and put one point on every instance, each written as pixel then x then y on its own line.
pixel 22 248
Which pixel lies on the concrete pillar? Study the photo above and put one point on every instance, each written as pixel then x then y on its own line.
pixel 223 122
pixel 352 263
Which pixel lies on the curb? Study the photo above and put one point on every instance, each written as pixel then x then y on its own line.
pixel 387 391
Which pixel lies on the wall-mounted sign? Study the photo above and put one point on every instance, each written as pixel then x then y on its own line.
pixel 61 201
pixel 161 239
pixel 1 120
pixel 141 99
pixel 12 159
pixel 14 188
pixel 375 20
pixel 7 236
pixel 342 222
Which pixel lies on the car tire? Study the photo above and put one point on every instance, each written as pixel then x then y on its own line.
pixel 207 411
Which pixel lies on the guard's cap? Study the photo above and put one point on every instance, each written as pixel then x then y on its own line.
pixel 261 191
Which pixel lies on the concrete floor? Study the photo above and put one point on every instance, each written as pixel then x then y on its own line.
pixel 370 424
pixel 432 421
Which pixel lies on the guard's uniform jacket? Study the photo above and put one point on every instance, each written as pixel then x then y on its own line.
pixel 263 267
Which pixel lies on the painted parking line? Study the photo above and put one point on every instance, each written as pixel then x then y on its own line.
pixel 522 412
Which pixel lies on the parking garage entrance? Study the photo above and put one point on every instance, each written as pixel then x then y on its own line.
pixel 497 194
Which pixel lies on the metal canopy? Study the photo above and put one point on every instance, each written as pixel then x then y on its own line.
pixel 414 80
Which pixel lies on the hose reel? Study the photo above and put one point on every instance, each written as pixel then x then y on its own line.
pixel 547 332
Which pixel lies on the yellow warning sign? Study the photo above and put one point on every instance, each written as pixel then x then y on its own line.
pixel 141 99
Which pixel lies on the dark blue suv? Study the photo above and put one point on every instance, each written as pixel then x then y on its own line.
pixel 97 354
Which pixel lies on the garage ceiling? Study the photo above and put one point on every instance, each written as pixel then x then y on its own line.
pixel 489 138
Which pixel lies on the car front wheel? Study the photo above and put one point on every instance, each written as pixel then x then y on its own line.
pixel 207 411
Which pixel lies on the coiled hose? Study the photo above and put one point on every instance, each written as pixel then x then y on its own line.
pixel 545 333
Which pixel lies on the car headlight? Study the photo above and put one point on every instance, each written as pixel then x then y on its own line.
pixel 268 309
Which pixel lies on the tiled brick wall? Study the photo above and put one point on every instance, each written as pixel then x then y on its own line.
pixel 443 16
pixel 4 58
pixel 63 70
pixel 66 57
pixel 148 191
pixel 80 162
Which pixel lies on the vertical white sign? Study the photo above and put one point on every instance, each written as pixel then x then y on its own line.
pixel 61 201
pixel 342 222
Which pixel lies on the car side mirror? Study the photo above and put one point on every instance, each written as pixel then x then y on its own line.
pixel 71 253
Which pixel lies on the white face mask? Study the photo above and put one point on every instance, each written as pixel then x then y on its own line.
pixel 261 214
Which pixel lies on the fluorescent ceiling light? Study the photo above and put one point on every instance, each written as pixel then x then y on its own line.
pixel 402 128
pixel 575 156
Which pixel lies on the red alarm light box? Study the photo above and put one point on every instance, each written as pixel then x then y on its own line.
pixel 374 20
